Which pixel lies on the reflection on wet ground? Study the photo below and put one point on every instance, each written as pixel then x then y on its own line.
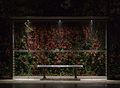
pixel 57 85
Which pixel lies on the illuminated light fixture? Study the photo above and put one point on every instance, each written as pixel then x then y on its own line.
pixel 59 23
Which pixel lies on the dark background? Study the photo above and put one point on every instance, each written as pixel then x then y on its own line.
pixel 73 8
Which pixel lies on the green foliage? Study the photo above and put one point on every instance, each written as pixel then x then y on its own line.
pixel 60 46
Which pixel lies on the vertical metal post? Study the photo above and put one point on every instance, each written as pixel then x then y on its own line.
pixel 13 49
pixel 106 50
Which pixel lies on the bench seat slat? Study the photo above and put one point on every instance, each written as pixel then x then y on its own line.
pixel 58 66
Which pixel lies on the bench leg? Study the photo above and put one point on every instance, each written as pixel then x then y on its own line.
pixel 75 73
pixel 44 73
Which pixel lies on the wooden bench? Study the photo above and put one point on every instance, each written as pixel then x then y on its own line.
pixel 59 66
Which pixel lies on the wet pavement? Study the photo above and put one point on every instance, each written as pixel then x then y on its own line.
pixel 57 85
